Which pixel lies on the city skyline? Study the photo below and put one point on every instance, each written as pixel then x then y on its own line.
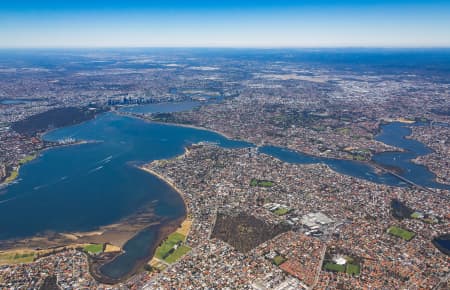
pixel 266 24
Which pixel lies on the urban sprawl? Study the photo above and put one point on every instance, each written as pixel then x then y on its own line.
pixel 253 222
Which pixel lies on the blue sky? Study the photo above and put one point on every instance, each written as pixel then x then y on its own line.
pixel 232 23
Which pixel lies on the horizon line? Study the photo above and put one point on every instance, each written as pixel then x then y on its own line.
pixel 231 47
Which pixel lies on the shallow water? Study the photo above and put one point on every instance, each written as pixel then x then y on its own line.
pixel 83 187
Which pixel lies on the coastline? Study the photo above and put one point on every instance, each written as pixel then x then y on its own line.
pixel 116 234
pixel 177 124
pixel 169 182
pixel 175 188
pixel 197 127
pixel 370 162
pixel 39 253
pixel 409 123
pixel 97 262
pixel 15 173
pixel 163 232
pixel 7 181
pixel 166 180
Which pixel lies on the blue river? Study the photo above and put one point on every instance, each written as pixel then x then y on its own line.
pixel 82 187
pixel 392 134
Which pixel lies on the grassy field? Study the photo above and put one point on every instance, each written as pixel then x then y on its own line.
pixel 430 221
pixel 335 267
pixel 94 248
pixel 416 215
pixel 350 269
pixel 16 258
pixel 163 250
pixel 343 131
pixel 157 264
pixel 177 254
pixel 28 255
pixel 278 260
pixel 401 233
pixel 261 183
pixel 281 211
pixel 166 251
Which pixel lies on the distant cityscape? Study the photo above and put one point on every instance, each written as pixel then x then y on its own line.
pixel 254 218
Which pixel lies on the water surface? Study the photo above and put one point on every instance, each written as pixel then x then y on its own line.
pixel 395 134
pixel 348 167
pixel 14 101
pixel 392 134
pixel 161 107
pixel 443 243
pixel 83 187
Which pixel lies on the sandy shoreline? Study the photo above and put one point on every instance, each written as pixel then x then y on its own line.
pixel 377 167
pixel 116 234
pixel 53 145
pixel 169 182
pixel 201 128
pixel 97 262
pixel 163 232
pixel 5 183
pixel 178 125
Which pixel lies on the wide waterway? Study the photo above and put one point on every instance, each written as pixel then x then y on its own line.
pixel 82 187
pixel 392 134
pixel 395 134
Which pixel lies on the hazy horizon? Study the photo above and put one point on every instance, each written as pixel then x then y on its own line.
pixel 225 24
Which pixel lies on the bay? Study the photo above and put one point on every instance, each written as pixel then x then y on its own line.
pixel 82 187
